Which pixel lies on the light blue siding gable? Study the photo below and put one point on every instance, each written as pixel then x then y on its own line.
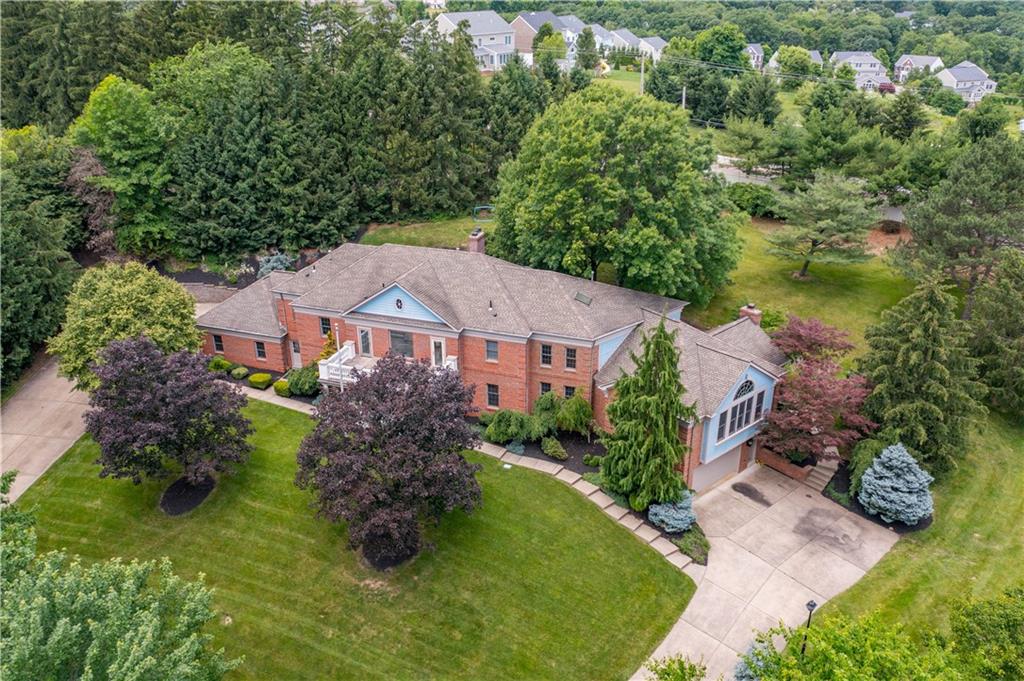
pixel 711 448
pixel 609 345
pixel 395 301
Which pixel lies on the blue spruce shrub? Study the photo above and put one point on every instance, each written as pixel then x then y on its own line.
pixel 752 663
pixel 271 263
pixel 674 517
pixel 895 487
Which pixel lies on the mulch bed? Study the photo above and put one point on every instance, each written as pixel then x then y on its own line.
pixel 575 446
pixel 841 483
pixel 182 496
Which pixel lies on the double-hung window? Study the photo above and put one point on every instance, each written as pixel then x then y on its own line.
pixel 569 391
pixel 261 350
pixel 545 388
pixel 325 326
pixel 545 355
pixel 570 358
pixel 218 343
pixel 492 350
pixel 493 395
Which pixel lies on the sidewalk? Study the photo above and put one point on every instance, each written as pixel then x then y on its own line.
pixel 39 423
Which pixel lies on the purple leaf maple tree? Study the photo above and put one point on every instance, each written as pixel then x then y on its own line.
pixel 810 337
pixel 152 409
pixel 386 456
pixel 816 410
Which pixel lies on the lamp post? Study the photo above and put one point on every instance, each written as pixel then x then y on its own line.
pixel 811 605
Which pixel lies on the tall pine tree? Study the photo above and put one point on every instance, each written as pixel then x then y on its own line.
pixel 515 97
pixel 644 449
pixel 997 337
pixel 925 392
pixel 755 96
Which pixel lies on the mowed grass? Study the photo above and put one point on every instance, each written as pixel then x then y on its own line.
pixel 538 583
pixel 975 547
pixel 449 233
pixel 627 80
pixel 850 297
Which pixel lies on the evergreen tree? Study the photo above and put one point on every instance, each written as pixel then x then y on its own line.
pixel 515 97
pixel 756 97
pixel 826 223
pixel 51 74
pixel 587 56
pixel 18 102
pixel 904 116
pixel 644 449
pixel 925 394
pixel 997 337
pixel 895 488
pixel 960 227
pixel 825 142
pixel 545 31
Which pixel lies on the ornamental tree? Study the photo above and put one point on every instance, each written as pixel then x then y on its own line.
pixel 925 393
pixel 386 456
pixel 644 448
pixel 997 333
pixel 827 223
pixel 114 302
pixel 811 338
pixel 608 177
pixel 151 409
pixel 894 487
pixel 817 412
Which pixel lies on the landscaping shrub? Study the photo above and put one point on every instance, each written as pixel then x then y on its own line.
pixel 485 418
pixel 676 668
pixel 772 318
pixel 218 363
pixel 895 487
pixel 304 381
pixel 862 456
pixel 756 200
pixel 592 460
pixel 516 447
pixel 554 449
pixel 675 517
pixel 694 544
pixel 546 410
pixel 261 381
pixel 281 387
pixel 239 373
pixel 507 425
pixel 270 263
pixel 575 415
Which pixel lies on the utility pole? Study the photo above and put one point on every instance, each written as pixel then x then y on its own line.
pixel 642 62
pixel 684 98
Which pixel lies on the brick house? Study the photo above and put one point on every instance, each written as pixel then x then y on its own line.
pixel 512 331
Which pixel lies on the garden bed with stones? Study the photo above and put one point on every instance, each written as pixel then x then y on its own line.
pixel 838 490
pixel 576 446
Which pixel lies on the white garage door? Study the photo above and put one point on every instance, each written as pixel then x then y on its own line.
pixel 707 474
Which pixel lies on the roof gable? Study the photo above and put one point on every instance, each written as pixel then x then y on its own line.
pixel 537 19
pixel 486 21
pixel 395 301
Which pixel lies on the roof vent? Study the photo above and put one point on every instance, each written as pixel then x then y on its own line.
pixel 490 308
pixel 583 298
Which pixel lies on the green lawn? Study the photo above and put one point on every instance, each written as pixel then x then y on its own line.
pixel 627 80
pixel 851 297
pixel 975 546
pixel 449 233
pixel 538 583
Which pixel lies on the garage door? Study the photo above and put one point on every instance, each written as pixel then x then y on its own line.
pixel 707 474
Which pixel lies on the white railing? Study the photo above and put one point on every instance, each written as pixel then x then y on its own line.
pixel 338 367
pixel 451 362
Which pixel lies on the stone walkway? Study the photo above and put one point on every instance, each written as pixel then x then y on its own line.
pixel 39 423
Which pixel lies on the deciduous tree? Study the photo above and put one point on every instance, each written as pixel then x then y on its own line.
pixel 608 177
pixel 925 393
pixel 723 44
pixel 115 302
pixel 386 455
pixel 989 634
pixel 644 448
pixel 152 408
pixel 826 223
pixel 811 338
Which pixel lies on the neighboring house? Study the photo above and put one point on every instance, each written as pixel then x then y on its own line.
pixel 511 331
pixel 874 82
pixel 493 38
pixel 908 63
pixel 603 37
pixel 773 63
pixel 571 28
pixel 652 47
pixel 623 39
pixel 527 24
pixel 869 71
pixel 756 54
pixel 968 80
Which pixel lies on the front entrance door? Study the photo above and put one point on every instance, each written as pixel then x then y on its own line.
pixel 296 355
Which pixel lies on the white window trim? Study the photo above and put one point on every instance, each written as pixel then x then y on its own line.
pixel 256 351
pixel 551 356
pixel 752 398
pixel 444 350
pixel 359 340
pixel 498 351
pixel 214 337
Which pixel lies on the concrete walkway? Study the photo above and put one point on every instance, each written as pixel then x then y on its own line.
pixel 39 423
pixel 775 545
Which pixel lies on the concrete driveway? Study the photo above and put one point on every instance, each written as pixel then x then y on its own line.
pixel 775 545
pixel 39 422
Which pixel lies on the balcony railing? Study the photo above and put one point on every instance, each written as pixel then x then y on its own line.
pixel 340 368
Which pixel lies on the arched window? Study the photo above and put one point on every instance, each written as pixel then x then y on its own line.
pixel 746 408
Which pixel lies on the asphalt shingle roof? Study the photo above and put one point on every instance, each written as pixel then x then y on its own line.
pixel 918 61
pixel 601 32
pixel 572 22
pixel 966 71
pixel 628 36
pixel 486 21
pixel 655 41
pixel 708 365
pixel 756 48
pixel 538 19
pixel 251 310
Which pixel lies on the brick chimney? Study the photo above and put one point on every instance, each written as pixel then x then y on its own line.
pixel 750 310
pixel 477 241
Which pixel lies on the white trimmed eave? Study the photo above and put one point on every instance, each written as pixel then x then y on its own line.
pixel 221 330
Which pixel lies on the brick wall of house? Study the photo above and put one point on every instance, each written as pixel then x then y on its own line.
pixel 243 351
pixel 508 373
pixel 600 405
pixel 695 440
pixel 557 374
pixel 523 36
pixel 305 328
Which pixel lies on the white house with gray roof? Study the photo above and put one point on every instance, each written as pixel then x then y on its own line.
pixel 652 46
pixel 908 63
pixel 869 71
pixel 623 39
pixel 493 38
pixel 603 37
pixel 513 332
pixel 815 55
pixel 755 51
pixel 968 80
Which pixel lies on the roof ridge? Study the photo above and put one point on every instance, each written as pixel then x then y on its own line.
pixel 370 250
